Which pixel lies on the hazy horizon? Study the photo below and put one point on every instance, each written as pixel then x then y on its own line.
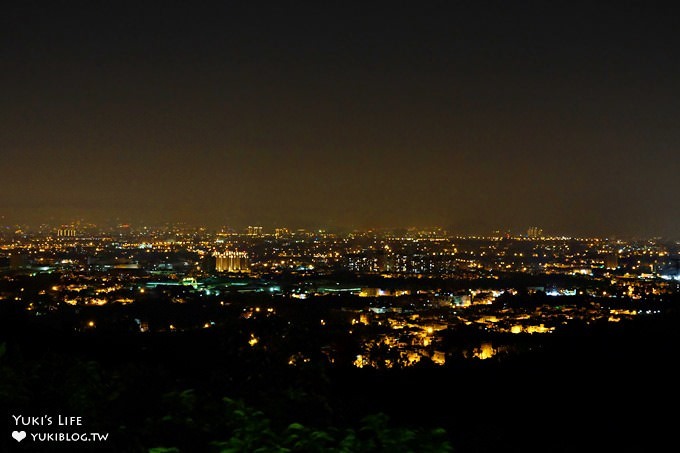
pixel 475 116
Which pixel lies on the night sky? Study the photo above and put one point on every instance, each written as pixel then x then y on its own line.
pixel 470 115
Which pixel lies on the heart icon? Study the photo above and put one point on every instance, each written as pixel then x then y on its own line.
pixel 19 435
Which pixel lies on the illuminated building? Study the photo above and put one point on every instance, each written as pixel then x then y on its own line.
pixel 534 232
pixel 254 231
pixel 232 261
pixel 66 232
pixel 282 232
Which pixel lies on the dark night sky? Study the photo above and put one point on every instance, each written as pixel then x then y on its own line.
pixel 470 115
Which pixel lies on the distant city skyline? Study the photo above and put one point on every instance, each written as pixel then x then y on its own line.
pixel 77 227
pixel 473 116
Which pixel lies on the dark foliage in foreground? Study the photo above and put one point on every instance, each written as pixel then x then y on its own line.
pixel 603 389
